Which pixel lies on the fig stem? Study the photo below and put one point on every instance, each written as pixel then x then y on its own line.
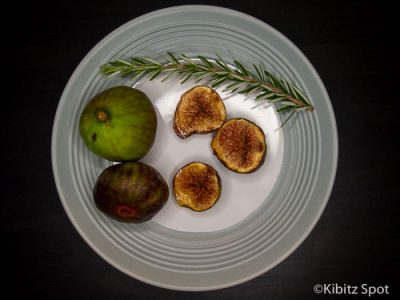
pixel 101 115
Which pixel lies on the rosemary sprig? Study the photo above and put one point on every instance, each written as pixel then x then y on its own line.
pixel 258 81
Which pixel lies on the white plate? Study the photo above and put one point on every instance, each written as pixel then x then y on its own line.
pixel 262 217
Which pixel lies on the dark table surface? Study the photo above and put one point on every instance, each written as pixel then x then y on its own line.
pixel 353 46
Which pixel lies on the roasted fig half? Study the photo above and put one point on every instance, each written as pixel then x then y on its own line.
pixel 200 110
pixel 197 186
pixel 240 145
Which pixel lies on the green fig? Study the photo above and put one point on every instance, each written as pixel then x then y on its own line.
pixel 119 124
pixel 130 192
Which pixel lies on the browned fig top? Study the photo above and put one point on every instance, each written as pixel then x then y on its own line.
pixel 197 186
pixel 240 145
pixel 200 110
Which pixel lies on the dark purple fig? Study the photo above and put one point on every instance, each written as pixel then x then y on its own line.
pixel 130 192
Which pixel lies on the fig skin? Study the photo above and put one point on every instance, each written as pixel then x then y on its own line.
pixel 200 110
pixel 119 124
pixel 197 186
pixel 131 192
pixel 237 147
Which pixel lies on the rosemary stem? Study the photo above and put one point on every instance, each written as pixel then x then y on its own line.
pixel 267 86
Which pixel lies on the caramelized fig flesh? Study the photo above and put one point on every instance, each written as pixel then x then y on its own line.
pixel 197 186
pixel 200 110
pixel 240 145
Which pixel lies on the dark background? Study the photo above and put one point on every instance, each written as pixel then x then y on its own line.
pixel 354 47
